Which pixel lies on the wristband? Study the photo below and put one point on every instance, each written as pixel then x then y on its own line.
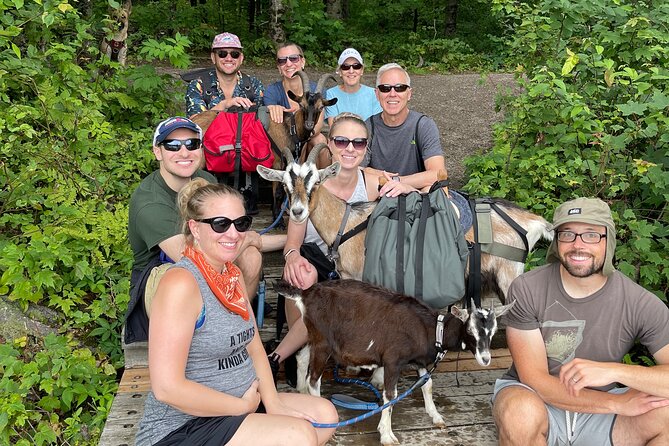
pixel 290 251
pixel 396 178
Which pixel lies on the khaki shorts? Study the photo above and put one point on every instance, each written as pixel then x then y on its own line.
pixel 589 429
pixel 152 284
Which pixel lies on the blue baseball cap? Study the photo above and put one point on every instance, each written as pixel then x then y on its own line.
pixel 171 124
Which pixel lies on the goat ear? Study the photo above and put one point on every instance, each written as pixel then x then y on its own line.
pixel 270 174
pixel 330 102
pixel 503 309
pixel 331 171
pixel 293 96
pixel 461 314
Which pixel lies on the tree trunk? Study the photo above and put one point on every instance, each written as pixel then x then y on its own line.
pixel 345 9
pixel 451 17
pixel 251 11
pixel 334 9
pixel 276 31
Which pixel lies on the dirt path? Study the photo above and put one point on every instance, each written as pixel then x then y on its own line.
pixel 462 105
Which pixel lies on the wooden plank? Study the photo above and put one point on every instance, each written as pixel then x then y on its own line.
pixel 123 420
pixel 135 380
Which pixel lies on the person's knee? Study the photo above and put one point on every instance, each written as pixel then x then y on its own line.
pixel 519 411
pixel 301 432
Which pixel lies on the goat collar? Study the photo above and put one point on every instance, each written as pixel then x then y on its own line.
pixel 439 335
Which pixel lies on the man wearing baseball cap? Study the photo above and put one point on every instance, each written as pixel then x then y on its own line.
pixel 154 226
pixel 573 322
pixel 352 96
pixel 224 86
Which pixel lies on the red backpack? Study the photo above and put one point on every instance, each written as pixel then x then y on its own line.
pixel 236 142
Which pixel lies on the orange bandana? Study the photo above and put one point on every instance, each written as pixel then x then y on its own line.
pixel 225 286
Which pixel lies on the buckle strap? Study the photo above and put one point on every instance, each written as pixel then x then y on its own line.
pixel 333 250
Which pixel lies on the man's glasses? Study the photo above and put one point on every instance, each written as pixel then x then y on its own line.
pixel 174 145
pixel 342 142
pixel 222 54
pixel 385 88
pixel 294 58
pixel 587 237
pixel 222 224
pixel 355 66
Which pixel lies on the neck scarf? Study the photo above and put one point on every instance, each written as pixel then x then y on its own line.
pixel 225 285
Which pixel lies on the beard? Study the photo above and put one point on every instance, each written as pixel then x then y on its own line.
pixel 594 266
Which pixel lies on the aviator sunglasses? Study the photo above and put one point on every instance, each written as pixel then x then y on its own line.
pixel 294 58
pixel 355 66
pixel 342 142
pixel 224 53
pixel 174 145
pixel 385 88
pixel 222 224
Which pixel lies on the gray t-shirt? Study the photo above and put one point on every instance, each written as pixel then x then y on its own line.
pixel 601 327
pixel 217 358
pixel 394 148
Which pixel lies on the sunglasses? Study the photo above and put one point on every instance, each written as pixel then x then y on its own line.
pixel 222 224
pixel 342 142
pixel 294 58
pixel 174 145
pixel 355 66
pixel 224 53
pixel 385 88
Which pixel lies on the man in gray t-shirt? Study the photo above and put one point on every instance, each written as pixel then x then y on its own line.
pixel 404 144
pixel 572 323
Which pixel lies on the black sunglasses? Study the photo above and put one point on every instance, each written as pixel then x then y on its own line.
pixel 355 66
pixel 224 53
pixel 222 224
pixel 342 142
pixel 294 58
pixel 385 88
pixel 174 145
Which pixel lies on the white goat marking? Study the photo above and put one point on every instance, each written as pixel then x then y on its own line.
pixel 302 358
pixel 430 408
pixel 384 426
pixel 371 343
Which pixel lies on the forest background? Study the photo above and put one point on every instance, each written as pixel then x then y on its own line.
pixel 589 118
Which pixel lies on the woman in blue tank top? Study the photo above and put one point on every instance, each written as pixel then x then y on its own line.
pixel 211 382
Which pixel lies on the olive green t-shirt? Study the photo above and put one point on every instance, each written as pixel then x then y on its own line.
pixel 154 216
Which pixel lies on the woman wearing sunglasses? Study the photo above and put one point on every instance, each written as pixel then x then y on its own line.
pixel 351 95
pixel 210 379
pixel 305 252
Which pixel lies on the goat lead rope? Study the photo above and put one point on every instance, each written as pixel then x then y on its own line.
pixel 278 218
pixel 420 382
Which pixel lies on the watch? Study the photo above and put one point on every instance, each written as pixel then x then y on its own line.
pixel 395 178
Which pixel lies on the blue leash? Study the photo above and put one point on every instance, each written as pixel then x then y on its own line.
pixel 278 218
pixel 419 383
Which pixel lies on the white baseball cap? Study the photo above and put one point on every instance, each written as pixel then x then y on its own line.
pixel 349 52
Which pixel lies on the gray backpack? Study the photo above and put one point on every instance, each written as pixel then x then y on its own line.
pixel 431 267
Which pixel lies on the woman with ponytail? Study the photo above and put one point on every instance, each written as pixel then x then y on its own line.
pixel 211 383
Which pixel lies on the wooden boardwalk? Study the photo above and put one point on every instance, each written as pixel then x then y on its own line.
pixel 461 393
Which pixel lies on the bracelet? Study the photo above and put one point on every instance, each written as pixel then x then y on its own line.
pixel 290 251
pixel 396 178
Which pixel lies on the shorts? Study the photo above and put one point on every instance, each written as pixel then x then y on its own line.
pixel 204 431
pixel 589 429
pixel 324 267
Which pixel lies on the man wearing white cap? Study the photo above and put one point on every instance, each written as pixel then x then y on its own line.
pixel 573 322
pixel 351 95
pixel 154 226
pixel 224 86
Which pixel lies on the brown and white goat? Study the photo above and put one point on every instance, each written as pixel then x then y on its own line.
pixel 326 211
pixel 358 324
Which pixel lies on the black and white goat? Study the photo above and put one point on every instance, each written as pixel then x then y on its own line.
pixel 326 211
pixel 358 324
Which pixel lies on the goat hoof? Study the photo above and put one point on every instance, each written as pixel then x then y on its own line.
pixel 440 424
pixel 389 439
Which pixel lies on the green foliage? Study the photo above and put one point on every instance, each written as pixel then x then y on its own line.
pixel 173 49
pixel 53 392
pixel 76 141
pixel 591 120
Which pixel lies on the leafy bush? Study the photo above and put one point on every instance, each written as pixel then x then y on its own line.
pixel 53 392
pixel 591 121
pixel 76 136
